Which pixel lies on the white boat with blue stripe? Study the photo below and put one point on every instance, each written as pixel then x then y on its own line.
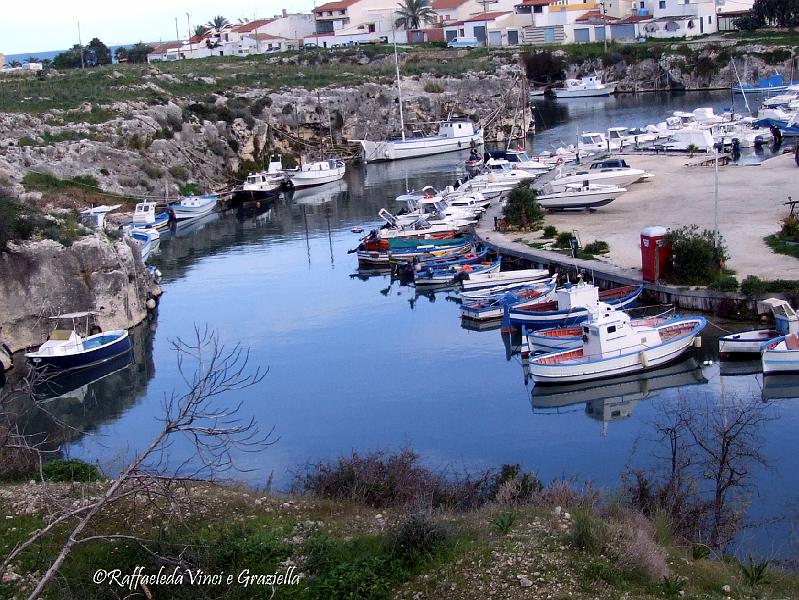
pixel 190 207
pixel 781 355
pixel 612 346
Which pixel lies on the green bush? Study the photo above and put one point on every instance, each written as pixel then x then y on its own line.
pixel 70 470
pixel 431 87
pixel 696 258
pixel 418 538
pixel 44 182
pixel 725 283
pixel 503 523
pixel 753 286
pixel 522 208
pixel 550 231
pixel 790 228
pixel 190 188
pixel 563 240
pixel 367 577
pixel 588 533
pixel 597 247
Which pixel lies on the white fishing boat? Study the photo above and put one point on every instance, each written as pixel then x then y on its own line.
pixel 479 281
pixel 496 291
pixel 507 170
pixel 519 159
pixel 493 308
pixel 690 138
pixel 585 87
pixel 781 355
pixel 191 207
pixel 145 215
pixel 613 171
pixel 786 322
pixel 578 196
pixel 262 184
pixel 611 346
pixel 316 173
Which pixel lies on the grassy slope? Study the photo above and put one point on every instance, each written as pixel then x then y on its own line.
pixel 346 550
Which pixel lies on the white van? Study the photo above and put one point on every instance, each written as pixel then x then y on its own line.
pixel 463 42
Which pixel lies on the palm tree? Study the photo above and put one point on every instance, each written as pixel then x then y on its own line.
pixel 413 13
pixel 200 30
pixel 218 22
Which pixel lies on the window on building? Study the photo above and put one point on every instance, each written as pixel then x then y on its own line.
pixel 461 32
pixel 642 4
pixel 709 19
pixel 662 4
pixel 371 27
pixel 538 9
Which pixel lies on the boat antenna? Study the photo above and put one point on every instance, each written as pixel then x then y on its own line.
pixel 399 86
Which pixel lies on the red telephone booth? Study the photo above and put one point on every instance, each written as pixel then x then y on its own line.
pixel 655 252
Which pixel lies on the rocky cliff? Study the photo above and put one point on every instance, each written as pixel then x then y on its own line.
pixel 44 278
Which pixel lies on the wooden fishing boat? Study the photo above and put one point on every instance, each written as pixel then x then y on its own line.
pixel 562 338
pixel 423 249
pixel 416 264
pixel 612 346
pixel 480 281
pixel 571 305
pixel 781 355
pixel 493 308
pixel 145 215
pixel 453 274
pixel 66 350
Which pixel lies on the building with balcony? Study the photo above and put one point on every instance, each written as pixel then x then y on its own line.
pixel 350 22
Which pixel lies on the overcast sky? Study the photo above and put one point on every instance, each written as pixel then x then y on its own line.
pixel 53 24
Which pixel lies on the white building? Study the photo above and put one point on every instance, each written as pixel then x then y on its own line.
pixel 449 11
pixel 348 22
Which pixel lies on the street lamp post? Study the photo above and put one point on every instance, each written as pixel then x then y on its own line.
pixel 604 24
pixel 188 24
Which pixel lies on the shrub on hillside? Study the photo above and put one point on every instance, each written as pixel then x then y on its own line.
pixel 70 470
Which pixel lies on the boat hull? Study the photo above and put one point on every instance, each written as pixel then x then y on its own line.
pixel 632 362
pixel 778 357
pixel 413 147
pixel 578 200
pixel 86 358
pixel 747 342
pixel 553 318
pixel 618 178
pixel 304 179
pixel 605 90
pixel 488 280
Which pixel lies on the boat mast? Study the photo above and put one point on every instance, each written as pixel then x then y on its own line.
pixel 743 92
pixel 399 87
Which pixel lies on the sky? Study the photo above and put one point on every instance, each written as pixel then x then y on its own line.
pixel 53 24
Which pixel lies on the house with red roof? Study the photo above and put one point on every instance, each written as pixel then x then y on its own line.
pixel 449 11
pixel 351 22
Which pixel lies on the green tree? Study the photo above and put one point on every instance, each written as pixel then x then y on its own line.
pixel 97 53
pixel 137 53
pixel 200 30
pixel 774 13
pixel 522 208
pixel 70 59
pixel 413 13
pixel 218 22
pixel 14 64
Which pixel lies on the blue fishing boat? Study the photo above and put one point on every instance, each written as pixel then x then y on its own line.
pixel 454 273
pixel 774 83
pixel 66 350
pixel 571 305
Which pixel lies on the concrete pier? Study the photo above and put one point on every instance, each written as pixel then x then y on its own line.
pixel 750 207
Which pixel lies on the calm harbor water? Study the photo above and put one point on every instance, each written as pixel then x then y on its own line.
pixel 361 363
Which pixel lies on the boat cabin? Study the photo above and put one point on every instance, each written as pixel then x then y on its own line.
pixel 594 141
pixel 611 164
pixel 609 333
pixel 686 119
pixel 786 320
pixel 580 295
pixel 618 134
pixel 456 129
pixel 144 213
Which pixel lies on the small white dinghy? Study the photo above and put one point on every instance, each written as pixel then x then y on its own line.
pixel 581 197
pixel 786 321
pixel 612 346
pixel 781 355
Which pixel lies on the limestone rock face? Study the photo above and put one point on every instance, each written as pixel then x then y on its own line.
pixel 41 279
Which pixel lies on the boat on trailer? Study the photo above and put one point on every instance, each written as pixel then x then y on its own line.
pixel 572 305
pixel 612 346
pixel 67 350
pixel 744 343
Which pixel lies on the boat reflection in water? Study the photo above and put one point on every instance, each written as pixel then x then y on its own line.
pixel 614 399
pixel 76 384
pixel 315 196
pixel 780 386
